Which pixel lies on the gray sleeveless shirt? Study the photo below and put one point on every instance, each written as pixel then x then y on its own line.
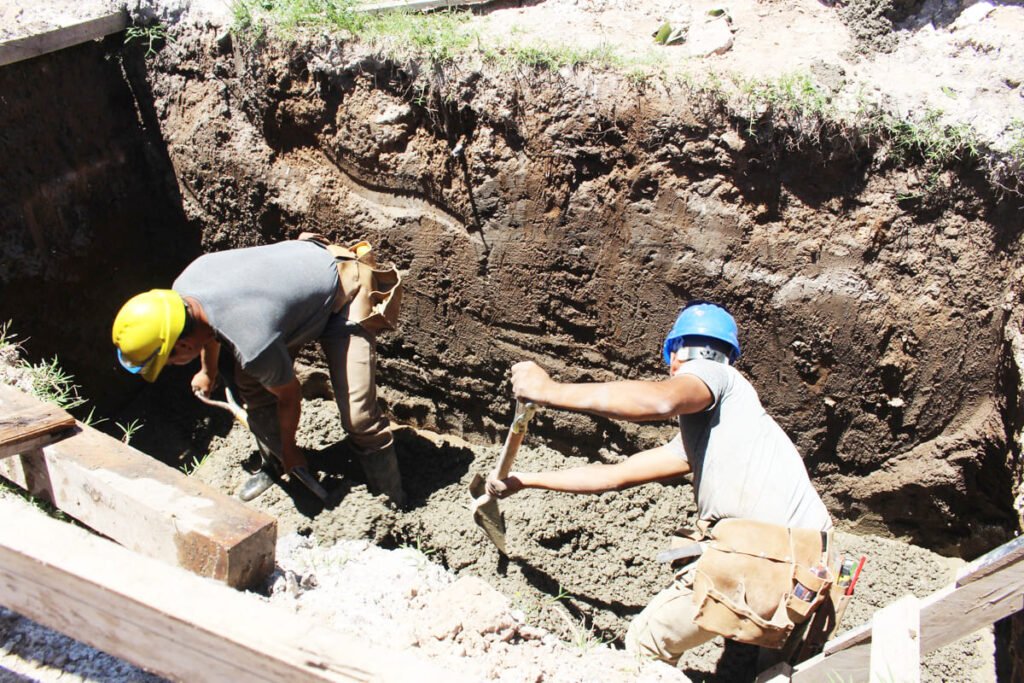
pixel 744 466
pixel 263 300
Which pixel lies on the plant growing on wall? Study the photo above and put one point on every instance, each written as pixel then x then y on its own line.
pixel 153 37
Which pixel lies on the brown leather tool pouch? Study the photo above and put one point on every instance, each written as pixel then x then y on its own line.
pixel 744 582
pixel 372 293
pixel 811 639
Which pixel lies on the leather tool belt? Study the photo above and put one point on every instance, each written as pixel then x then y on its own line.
pixel 745 583
pixel 372 293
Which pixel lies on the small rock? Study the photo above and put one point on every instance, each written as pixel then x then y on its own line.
pixel 972 15
pixel 732 140
pixel 710 38
pixel 392 114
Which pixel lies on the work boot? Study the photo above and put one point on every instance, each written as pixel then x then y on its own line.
pixel 256 485
pixel 269 472
pixel 382 475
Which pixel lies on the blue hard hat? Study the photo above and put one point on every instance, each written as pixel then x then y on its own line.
pixel 703 319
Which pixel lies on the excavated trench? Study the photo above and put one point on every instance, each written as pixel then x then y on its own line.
pixel 562 218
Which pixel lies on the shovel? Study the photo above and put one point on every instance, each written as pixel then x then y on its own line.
pixel 231 405
pixel 485 508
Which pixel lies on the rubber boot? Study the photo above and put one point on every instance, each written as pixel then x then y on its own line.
pixel 255 485
pixel 382 475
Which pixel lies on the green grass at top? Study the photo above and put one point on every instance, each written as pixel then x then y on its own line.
pixel 1016 129
pixel 935 143
pixel 436 35
pixel 796 91
pixel 553 57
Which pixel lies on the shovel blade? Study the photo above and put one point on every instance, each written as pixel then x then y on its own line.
pixel 487 516
pixel 303 475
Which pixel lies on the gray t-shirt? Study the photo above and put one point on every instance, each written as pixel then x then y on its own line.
pixel 744 466
pixel 262 300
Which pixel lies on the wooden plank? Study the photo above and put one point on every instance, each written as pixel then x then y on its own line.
pixel 976 600
pixel 992 561
pixel 168 621
pixel 32 428
pixel 19 49
pixel 779 673
pixel 143 504
pixel 417 6
pixel 895 643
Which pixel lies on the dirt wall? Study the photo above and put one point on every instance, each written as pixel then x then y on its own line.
pixel 578 216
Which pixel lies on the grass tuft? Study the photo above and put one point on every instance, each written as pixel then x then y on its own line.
pixel 436 36
pixel 153 37
pixel 45 380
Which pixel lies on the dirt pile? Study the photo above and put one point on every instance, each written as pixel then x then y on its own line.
pixel 399 598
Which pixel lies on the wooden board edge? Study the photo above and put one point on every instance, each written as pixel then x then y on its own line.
pixel 27 47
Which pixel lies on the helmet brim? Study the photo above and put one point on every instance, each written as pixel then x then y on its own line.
pixel 153 368
pixel 157 315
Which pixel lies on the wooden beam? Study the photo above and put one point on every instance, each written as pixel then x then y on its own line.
pixel 1003 556
pixel 168 621
pixel 896 643
pixel 417 6
pixel 143 504
pixel 32 428
pixel 19 49
pixel 991 588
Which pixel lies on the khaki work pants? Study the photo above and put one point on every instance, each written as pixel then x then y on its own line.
pixel 352 361
pixel 665 629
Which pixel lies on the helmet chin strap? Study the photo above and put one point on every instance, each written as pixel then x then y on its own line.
pixel 691 352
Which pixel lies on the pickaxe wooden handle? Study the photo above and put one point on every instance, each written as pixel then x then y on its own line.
pixel 230 405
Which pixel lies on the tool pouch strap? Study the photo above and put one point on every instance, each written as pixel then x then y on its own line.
pixel 372 293
pixel 743 583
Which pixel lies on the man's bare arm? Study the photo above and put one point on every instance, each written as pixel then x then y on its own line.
pixel 655 464
pixel 633 400
pixel 205 381
pixel 289 409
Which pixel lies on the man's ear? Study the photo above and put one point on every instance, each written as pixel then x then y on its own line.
pixel 184 346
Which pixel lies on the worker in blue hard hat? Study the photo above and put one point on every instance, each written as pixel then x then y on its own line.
pixel 743 467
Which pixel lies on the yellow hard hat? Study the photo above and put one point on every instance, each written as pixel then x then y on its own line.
pixel 145 331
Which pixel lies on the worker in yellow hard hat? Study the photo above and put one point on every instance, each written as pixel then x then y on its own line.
pixel 146 330
pixel 264 303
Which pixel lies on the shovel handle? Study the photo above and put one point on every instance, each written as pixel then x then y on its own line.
pixel 516 433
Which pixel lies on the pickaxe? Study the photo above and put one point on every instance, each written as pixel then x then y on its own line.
pixel 301 473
